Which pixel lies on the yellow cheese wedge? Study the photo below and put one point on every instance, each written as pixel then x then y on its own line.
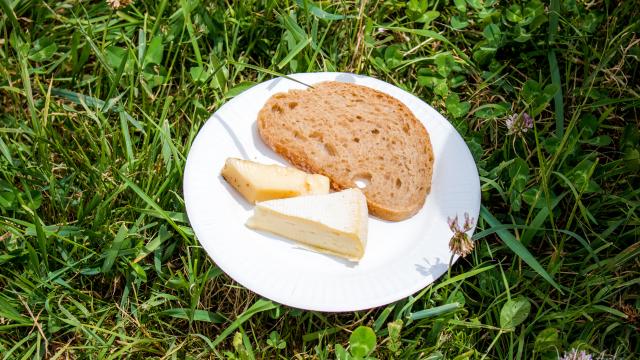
pixel 333 223
pixel 260 182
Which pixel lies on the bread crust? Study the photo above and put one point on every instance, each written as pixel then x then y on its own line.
pixel 351 133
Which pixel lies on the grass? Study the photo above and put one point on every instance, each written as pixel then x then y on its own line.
pixel 99 108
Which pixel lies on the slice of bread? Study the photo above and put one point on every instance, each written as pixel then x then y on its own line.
pixel 354 134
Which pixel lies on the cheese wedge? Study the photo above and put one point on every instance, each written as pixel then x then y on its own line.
pixel 260 182
pixel 333 223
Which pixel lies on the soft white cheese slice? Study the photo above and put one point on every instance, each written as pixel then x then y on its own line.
pixel 333 223
pixel 260 182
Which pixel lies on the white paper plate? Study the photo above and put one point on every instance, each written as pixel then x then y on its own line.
pixel 401 258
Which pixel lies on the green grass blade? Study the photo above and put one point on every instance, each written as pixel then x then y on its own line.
pixel 197 315
pixel 320 334
pixel 554 10
pixel 159 12
pixel 436 311
pixel 518 248
pixel 142 47
pixel 582 242
pixel 154 244
pixel 98 54
pixel 539 219
pixel 17 345
pixel 433 35
pixel 463 276
pixel 258 307
pixel 78 98
pixel 558 101
pixel 247 345
pixel 318 12
pixel 296 50
pixel 186 12
pixel 11 15
pixel 8 311
pixel 4 149
pixel 112 253
pixel 207 341
pixel 382 318
pixel 268 71
pixel 118 76
pixel 178 217
pixel 153 205
pixel 126 137
pixel 22 50
pixel 42 241
pixel 292 26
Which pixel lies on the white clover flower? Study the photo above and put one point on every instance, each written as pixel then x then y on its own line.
pixel 519 124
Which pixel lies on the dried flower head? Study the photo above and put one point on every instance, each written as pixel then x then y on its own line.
pixel 633 315
pixel 576 355
pixel 118 4
pixel 460 242
pixel 519 124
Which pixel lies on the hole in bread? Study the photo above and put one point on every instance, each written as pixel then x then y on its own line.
pixel 316 135
pixel 277 108
pixel 298 135
pixel 405 128
pixel 292 105
pixel 375 131
pixel 331 149
pixel 358 117
pixel 362 180
pixel 356 140
pixel 398 184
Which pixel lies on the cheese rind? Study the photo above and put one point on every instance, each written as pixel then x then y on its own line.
pixel 261 182
pixel 334 223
